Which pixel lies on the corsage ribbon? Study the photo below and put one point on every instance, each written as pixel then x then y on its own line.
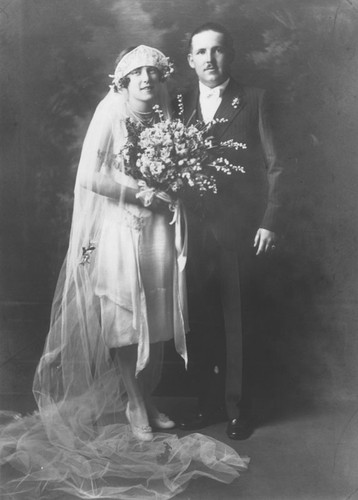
pixel 146 195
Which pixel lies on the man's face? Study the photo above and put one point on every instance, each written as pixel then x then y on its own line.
pixel 210 58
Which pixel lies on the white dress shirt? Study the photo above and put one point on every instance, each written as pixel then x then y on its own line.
pixel 210 99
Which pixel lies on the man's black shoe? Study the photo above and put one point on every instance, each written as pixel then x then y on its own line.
pixel 239 428
pixel 201 420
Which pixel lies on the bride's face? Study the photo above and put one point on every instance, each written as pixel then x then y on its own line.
pixel 144 84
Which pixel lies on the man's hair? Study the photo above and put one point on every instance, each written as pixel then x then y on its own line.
pixel 218 28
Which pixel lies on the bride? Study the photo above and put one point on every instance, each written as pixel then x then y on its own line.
pixel 120 294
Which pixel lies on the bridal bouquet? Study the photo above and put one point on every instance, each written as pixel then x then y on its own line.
pixel 172 158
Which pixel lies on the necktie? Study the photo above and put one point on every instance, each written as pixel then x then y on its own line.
pixel 216 92
pixel 209 101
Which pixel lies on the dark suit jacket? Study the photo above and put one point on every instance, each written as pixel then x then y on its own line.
pixel 247 201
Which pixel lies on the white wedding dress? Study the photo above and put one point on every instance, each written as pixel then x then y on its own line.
pixel 120 284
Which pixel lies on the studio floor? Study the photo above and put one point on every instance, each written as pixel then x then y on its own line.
pixel 299 450
pixel 307 453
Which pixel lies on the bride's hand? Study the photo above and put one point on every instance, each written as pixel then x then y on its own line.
pixel 156 201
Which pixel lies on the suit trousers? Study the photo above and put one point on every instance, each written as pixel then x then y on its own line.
pixel 220 307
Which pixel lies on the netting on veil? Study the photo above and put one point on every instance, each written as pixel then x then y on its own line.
pixel 78 444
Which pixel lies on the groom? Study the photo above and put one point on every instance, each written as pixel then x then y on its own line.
pixel 240 227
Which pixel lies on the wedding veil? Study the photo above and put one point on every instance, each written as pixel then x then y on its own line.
pixel 78 444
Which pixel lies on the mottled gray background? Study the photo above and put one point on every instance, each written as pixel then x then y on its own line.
pixel 55 58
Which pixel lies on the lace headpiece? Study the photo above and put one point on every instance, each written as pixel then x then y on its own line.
pixel 142 56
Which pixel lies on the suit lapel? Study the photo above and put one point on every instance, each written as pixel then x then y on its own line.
pixel 233 101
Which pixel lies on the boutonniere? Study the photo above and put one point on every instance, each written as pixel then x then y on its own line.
pixel 235 102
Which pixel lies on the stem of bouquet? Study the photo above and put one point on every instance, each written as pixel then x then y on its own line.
pixel 159 112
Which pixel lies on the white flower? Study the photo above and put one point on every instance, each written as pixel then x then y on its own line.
pixel 235 102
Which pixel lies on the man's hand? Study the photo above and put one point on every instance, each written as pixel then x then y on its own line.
pixel 265 241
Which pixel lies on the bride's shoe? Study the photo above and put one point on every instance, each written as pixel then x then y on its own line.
pixel 141 432
pixel 162 421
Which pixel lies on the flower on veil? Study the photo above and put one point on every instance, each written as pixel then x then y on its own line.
pixel 87 252
pixel 163 457
pixel 175 158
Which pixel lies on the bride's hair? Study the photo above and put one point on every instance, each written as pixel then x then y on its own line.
pixel 124 82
